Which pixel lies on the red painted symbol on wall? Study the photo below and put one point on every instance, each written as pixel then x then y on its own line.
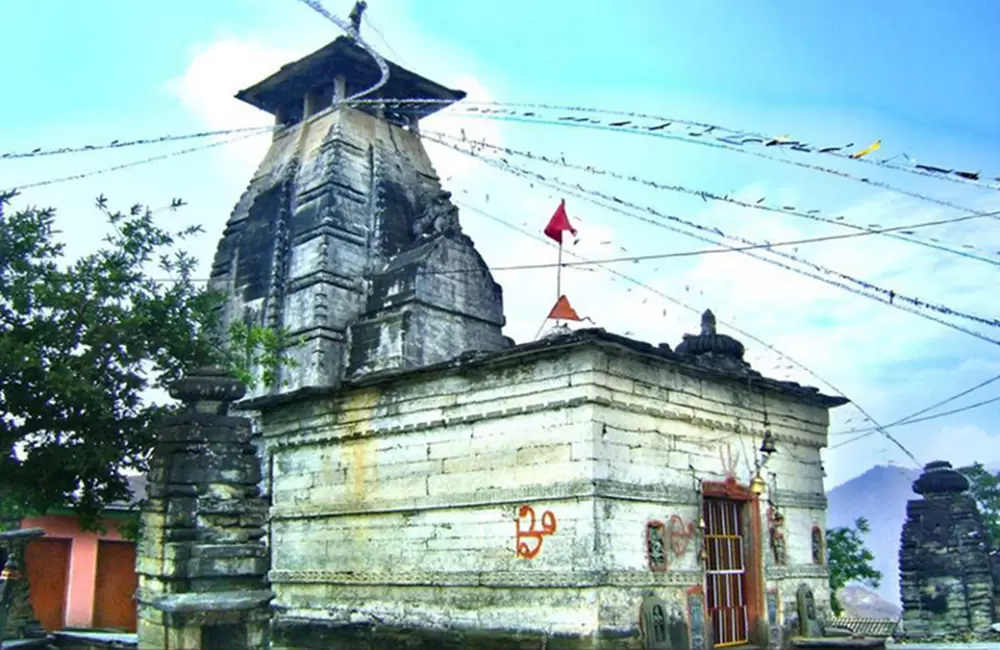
pixel 680 535
pixel 526 516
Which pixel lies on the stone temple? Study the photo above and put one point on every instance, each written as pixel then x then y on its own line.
pixel 429 484
pixel 343 232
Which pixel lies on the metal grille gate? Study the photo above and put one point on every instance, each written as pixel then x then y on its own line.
pixel 725 572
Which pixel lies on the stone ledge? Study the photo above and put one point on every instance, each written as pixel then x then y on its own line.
pixel 219 601
pixel 796 571
pixel 672 495
pixel 320 433
pixel 305 634
pixel 512 579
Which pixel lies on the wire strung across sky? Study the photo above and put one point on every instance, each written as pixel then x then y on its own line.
pixel 684 305
pixel 727 147
pixel 747 244
pixel 914 417
pixel 703 251
pixel 136 163
pixel 869 290
pixel 758 205
pixel 812 215
pixel 121 144
pixel 872 430
pixel 729 137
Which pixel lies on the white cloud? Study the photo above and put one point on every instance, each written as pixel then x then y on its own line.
pixel 455 168
pixel 962 446
pixel 208 87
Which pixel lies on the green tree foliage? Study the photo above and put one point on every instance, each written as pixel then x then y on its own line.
pixel 985 489
pixel 82 341
pixel 849 560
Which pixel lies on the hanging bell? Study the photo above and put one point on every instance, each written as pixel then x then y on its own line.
pixel 758 484
pixel 767 444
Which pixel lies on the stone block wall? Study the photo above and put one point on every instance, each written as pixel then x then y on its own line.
pixel 398 504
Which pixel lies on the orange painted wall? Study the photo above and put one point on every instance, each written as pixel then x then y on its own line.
pixel 83 561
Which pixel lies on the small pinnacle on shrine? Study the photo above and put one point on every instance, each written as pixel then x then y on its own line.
pixel 707 323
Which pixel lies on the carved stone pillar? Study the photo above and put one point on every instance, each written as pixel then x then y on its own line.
pixel 19 616
pixel 946 585
pixel 202 562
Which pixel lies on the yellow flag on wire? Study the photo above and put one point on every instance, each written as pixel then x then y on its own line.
pixel 867 150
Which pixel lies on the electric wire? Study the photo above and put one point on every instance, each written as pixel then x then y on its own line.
pixel 745 334
pixel 134 163
pixel 911 416
pixel 728 147
pixel 731 136
pixel 869 432
pixel 885 296
pixel 698 252
pixel 121 144
pixel 812 215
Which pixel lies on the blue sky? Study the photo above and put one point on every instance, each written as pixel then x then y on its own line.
pixel 920 76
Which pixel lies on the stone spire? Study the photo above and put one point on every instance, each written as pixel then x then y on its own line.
pixel 345 237
pixel 946 582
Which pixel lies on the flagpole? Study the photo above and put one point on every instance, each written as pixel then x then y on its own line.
pixel 559 274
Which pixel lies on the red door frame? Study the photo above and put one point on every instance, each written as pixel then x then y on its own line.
pixel 731 490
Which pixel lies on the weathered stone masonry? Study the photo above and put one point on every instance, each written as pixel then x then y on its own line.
pixel 201 558
pixel 946 577
pixel 396 501
pixel 343 232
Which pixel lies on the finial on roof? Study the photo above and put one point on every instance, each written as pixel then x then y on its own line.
pixel 356 13
pixel 707 323
pixel 710 341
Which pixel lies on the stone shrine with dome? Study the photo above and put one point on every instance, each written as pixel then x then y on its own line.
pixel 946 572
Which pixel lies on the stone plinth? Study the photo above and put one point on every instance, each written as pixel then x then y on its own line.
pixel 946 580
pixel 536 496
pixel 201 558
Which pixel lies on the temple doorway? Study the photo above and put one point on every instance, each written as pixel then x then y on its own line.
pixel 726 571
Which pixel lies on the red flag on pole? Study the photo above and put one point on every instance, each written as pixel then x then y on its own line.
pixel 559 223
pixel 564 311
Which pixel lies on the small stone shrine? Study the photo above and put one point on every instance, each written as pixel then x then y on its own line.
pixel 946 581
pixel 201 558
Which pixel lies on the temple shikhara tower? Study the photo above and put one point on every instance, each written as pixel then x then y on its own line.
pixel 427 482
pixel 343 231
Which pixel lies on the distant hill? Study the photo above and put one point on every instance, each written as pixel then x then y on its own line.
pixel 879 495
pixel 864 603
